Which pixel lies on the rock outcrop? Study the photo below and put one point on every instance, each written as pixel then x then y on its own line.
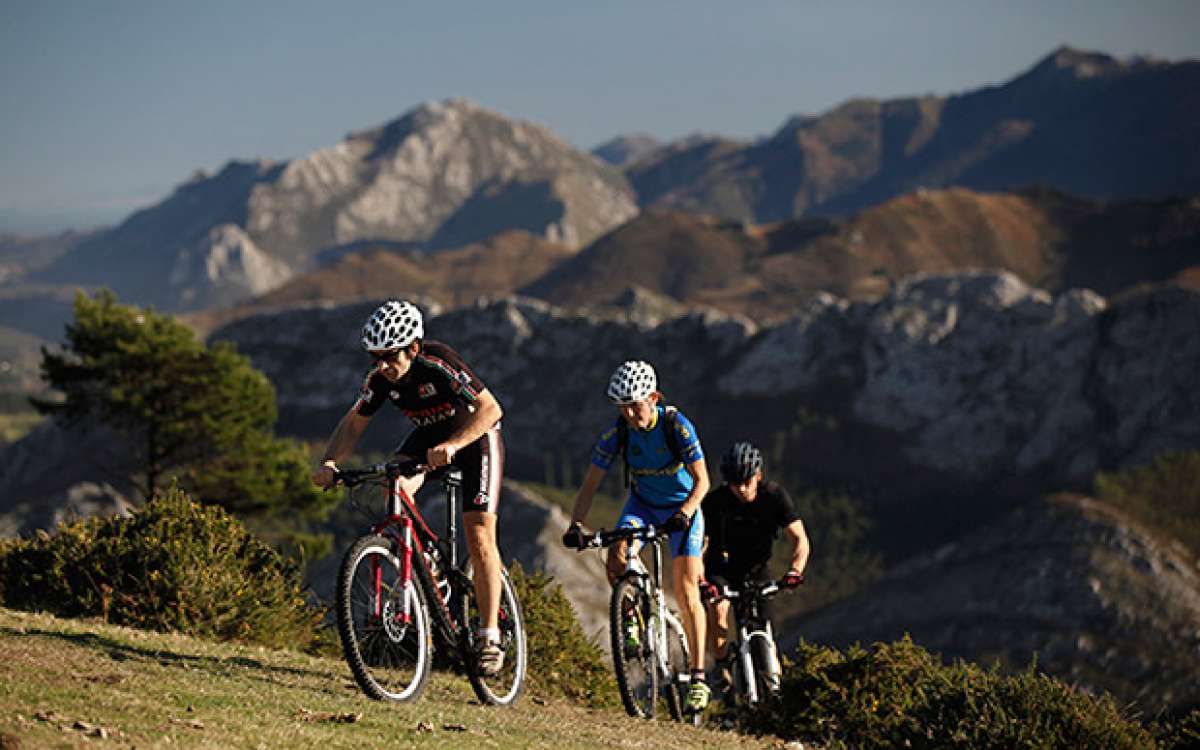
pixel 61 473
pixel 222 267
pixel 967 381
pixel 975 378
pixel 1097 600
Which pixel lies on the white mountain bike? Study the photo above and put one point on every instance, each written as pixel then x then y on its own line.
pixel 649 646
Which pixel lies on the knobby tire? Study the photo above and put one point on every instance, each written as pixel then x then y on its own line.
pixel 506 687
pixel 637 672
pixel 680 665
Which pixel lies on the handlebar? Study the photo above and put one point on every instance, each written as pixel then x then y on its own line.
pixel 765 589
pixel 356 476
pixel 604 538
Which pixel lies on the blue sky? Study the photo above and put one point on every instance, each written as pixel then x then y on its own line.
pixel 107 105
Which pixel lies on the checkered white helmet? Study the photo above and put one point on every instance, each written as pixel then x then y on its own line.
pixel 395 325
pixel 632 382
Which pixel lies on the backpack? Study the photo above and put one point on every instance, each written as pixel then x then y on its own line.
pixel 670 434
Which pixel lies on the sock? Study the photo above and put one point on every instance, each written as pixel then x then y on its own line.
pixel 490 634
pixel 698 675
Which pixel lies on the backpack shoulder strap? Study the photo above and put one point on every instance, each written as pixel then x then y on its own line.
pixel 670 434
pixel 622 444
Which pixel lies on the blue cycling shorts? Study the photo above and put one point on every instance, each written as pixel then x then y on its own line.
pixel 688 543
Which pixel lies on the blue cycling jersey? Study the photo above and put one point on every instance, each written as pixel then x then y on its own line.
pixel 659 479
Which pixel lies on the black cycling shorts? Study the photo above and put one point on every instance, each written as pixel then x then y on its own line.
pixel 481 462
pixel 736 578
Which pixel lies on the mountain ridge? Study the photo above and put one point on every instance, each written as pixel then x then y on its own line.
pixel 1069 122
pixel 443 175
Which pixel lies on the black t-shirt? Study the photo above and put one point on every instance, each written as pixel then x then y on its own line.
pixel 740 535
pixel 437 394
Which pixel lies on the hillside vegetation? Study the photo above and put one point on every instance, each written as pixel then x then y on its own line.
pixel 167 568
pixel 1164 495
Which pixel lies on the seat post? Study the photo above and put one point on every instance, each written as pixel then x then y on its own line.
pixel 452 481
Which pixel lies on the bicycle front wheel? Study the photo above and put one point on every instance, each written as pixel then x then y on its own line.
pixel 634 646
pixel 504 688
pixel 766 668
pixel 383 622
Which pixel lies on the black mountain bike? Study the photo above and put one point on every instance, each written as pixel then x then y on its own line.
pixel 401 583
pixel 649 646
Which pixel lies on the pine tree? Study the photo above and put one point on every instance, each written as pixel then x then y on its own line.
pixel 202 416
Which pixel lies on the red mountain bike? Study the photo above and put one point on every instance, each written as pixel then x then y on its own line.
pixel 402 583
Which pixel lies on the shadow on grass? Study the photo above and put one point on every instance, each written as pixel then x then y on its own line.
pixel 217 666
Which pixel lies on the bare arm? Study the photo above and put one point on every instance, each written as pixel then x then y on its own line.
pixel 587 491
pixel 487 413
pixel 800 548
pixel 699 474
pixel 341 444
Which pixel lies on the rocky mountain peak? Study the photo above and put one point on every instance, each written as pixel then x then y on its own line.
pixel 444 175
pixel 626 149
pixel 1066 66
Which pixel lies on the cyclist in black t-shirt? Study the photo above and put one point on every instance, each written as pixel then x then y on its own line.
pixel 743 518
pixel 457 421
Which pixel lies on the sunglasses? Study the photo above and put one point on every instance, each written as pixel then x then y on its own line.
pixel 386 357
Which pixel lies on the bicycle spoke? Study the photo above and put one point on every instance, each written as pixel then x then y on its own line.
pixel 506 686
pixel 383 623
pixel 633 651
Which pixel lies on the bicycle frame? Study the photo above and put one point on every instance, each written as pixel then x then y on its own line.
pixel 663 614
pixel 404 523
pixel 753 626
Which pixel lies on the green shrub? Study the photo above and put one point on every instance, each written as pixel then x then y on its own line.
pixel 6 546
pixel 174 565
pixel 1165 495
pixel 1181 733
pixel 562 660
pixel 899 695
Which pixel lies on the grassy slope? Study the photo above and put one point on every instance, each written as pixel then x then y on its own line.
pixel 61 679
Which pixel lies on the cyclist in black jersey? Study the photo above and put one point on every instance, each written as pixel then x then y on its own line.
pixel 743 518
pixel 456 420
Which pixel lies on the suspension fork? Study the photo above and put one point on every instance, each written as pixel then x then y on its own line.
pixel 746 660
pixel 406 569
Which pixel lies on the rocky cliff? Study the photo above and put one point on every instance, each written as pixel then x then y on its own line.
pixel 968 379
pixel 1098 602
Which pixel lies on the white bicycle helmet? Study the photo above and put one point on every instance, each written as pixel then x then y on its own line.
pixel 632 382
pixel 395 325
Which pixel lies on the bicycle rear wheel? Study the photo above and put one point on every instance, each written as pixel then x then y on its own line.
pixel 633 646
pixel 383 622
pixel 506 687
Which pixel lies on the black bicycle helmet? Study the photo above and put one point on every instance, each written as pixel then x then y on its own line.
pixel 741 462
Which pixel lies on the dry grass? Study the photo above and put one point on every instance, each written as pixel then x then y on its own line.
pixel 72 683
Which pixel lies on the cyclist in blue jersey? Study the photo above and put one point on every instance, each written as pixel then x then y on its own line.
pixel 665 461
